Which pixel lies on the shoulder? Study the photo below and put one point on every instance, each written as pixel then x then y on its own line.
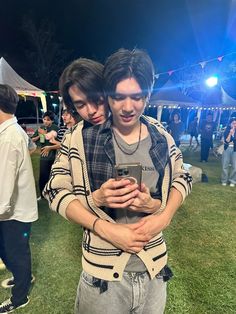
pixel 15 135
pixel 74 133
pixel 99 129
pixel 158 130
pixel 54 127
pixel 154 122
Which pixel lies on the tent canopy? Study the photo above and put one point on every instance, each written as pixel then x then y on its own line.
pixel 22 87
pixel 169 94
pixel 226 99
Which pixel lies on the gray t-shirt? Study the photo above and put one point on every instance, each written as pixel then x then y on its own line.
pixel 149 176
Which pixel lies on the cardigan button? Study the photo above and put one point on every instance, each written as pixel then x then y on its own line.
pixel 116 275
pixel 87 192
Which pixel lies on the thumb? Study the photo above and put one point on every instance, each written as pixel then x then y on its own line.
pixel 144 188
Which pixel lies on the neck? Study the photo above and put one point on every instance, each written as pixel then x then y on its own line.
pixel 130 136
pixel 69 125
pixel 132 130
pixel 5 116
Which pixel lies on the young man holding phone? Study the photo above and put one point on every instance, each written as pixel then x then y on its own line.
pixel 124 254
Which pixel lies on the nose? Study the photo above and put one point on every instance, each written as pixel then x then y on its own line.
pixel 91 109
pixel 127 105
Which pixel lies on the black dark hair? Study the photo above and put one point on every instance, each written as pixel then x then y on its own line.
pixel 125 64
pixel 72 112
pixel 176 113
pixel 49 114
pixel 86 74
pixel 8 99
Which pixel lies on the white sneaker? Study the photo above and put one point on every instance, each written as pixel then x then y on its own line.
pixel 224 184
pixel 8 307
pixel 232 185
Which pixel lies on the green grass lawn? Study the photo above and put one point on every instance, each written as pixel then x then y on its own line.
pixel 202 252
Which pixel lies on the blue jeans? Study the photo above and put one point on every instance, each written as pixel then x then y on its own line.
pixel 136 293
pixel 228 158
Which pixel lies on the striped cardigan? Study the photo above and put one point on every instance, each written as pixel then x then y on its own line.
pixel 70 180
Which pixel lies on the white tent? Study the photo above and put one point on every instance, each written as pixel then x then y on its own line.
pixel 170 96
pixel 22 87
pixel 226 99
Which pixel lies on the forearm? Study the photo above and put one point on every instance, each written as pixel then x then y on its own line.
pixel 35 139
pixel 228 138
pixel 120 236
pixel 76 212
pixel 156 223
pixel 54 147
pixel 174 202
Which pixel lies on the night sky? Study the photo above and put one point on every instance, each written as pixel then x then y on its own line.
pixel 174 32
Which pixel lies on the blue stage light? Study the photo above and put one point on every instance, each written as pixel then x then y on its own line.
pixel 212 81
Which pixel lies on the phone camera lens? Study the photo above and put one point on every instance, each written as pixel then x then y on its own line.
pixel 126 172
pixel 120 172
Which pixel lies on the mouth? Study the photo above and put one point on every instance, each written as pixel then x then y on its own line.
pixel 127 118
pixel 96 120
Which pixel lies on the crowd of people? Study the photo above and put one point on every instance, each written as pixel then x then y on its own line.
pixel 123 248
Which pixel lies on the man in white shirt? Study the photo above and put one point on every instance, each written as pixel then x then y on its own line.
pixel 18 204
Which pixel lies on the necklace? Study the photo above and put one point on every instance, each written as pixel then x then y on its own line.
pixel 121 148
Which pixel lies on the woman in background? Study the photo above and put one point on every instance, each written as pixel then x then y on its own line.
pixel 229 154
pixel 176 128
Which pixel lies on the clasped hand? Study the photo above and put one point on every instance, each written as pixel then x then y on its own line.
pixel 132 238
pixel 122 194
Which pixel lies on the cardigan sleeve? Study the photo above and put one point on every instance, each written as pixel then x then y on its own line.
pixel 181 179
pixel 59 189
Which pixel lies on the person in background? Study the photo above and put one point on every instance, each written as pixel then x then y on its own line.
pixel 229 154
pixel 176 128
pixel 70 118
pixel 42 137
pixel 206 129
pixel 123 247
pixel 18 205
pixel 193 131
pixel 31 145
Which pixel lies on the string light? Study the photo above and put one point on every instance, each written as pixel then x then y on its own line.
pixel 192 108
pixel 202 64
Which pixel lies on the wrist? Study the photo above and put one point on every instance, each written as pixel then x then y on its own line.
pixel 100 228
pixel 96 198
pixel 95 223
pixel 165 218
pixel 155 205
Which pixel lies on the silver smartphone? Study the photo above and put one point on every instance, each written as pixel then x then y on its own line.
pixel 131 171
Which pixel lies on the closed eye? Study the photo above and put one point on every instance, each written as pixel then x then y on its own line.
pixel 121 97
pixel 79 104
